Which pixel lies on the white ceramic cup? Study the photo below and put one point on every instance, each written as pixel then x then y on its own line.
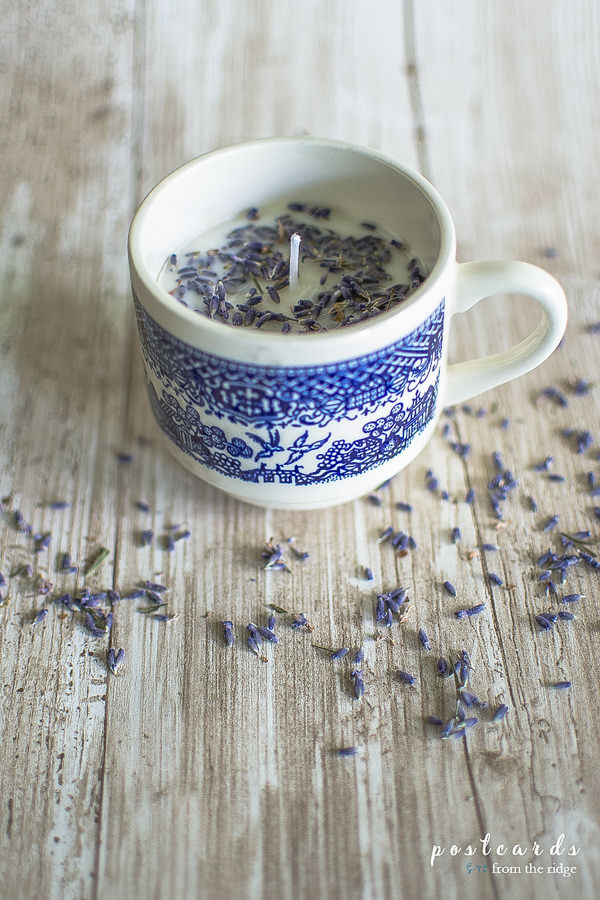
pixel 302 421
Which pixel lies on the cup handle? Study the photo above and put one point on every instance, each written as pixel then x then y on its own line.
pixel 476 280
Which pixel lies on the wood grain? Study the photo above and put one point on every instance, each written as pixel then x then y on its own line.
pixel 201 771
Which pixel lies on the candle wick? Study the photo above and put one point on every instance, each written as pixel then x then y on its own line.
pixel 294 258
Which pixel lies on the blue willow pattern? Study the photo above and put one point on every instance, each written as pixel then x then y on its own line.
pixel 286 412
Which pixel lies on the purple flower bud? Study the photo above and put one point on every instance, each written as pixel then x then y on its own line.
pixel 562 685
pixel 40 616
pixel 449 588
pixel 347 751
pixel 500 713
pixel 406 677
pixel 359 685
pixel 228 632
pixel 339 654
pixel 424 639
pixel 268 635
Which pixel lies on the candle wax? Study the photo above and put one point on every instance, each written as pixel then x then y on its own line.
pixel 238 271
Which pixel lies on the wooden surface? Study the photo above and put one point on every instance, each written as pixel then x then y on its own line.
pixel 200 771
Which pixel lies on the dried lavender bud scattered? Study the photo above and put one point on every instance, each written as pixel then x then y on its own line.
pixel 65 600
pixel 271 622
pixel 404 507
pixel 300 621
pixel 489 548
pixel 500 713
pixel 462 450
pixel 472 611
pixel 228 632
pixel 470 496
pixel 495 579
pixel 59 504
pixel 580 386
pixel 566 616
pixel 545 465
pixel 40 616
pixel 432 485
pixel 469 723
pixel 20 523
pixel 347 751
pixel 154 586
pixel 267 634
pixel 446 730
pixel 2 580
pixel 92 627
pixel 359 656
pixel 449 588
pixel 375 499
pixel 111 661
pixel 113 596
pixel 455 535
pixel 169 543
pixel 470 699
pixel 544 622
pixel 300 554
pixel 135 594
pixel 462 668
pixel 124 457
pixel 143 507
pixel 571 598
pixel 424 639
pixel 556 478
pixel 406 677
pixel 368 573
pixel 339 654
pixel 532 504
pixel 386 533
pixel 442 666
pixel 358 683
pixel 183 535
pixel 562 685
pixel 146 537
pixel 552 393
pixel 551 523
pixel 163 617
pixel 434 720
pixel 504 424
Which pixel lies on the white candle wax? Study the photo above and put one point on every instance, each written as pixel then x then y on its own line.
pixel 302 279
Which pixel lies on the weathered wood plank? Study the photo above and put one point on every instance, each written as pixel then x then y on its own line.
pixel 67 198
pixel 518 158
pixel 202 771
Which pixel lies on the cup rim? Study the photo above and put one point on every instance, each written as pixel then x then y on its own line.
pixel 342 342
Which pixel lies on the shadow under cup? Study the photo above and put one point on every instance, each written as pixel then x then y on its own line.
pixel 300 420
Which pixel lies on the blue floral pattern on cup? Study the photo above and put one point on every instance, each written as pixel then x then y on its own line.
pixel 277 424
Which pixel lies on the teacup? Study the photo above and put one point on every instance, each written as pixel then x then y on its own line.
pixel 300 421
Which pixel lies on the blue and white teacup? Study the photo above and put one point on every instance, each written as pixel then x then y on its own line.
pixel 301 421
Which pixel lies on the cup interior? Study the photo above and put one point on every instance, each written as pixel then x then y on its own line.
pixel 218 186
